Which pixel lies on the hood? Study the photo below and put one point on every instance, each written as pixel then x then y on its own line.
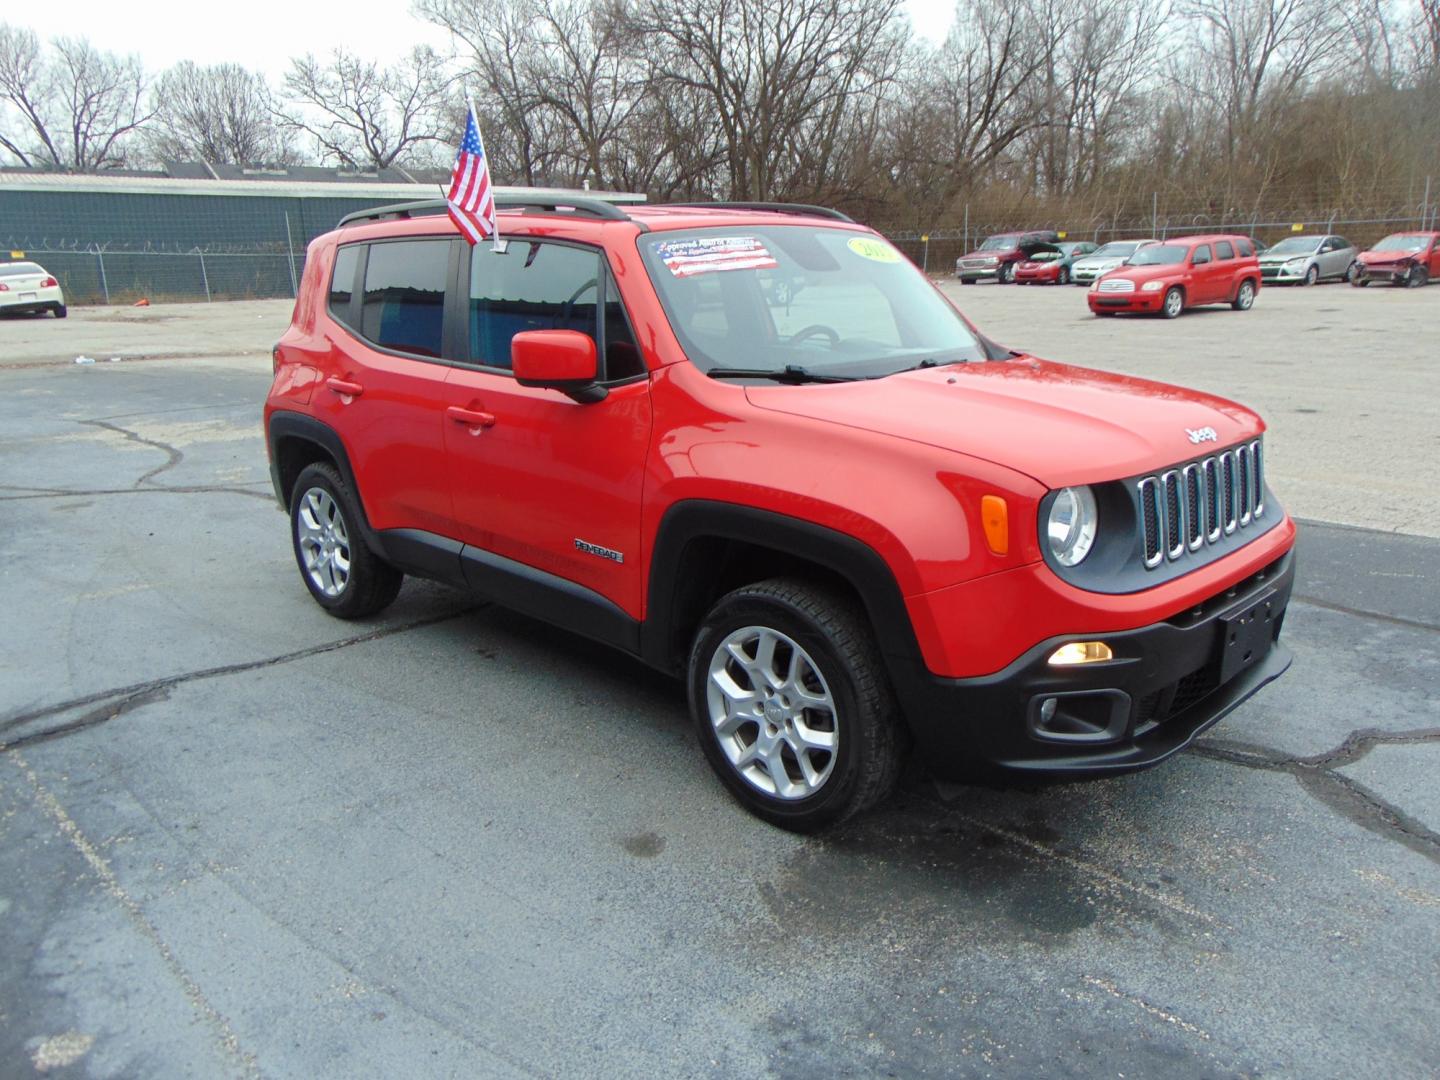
pixel 1142 274
pixel 992 254
pixel 1379 258
pixel 1280 260
pixel 1100 261
pixel 1058 424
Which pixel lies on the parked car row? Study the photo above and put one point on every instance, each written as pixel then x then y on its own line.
pixel 1167 276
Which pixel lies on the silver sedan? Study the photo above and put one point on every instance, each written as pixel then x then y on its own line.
pixel 1304 260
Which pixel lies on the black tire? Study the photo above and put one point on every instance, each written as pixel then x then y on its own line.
pixel 1352 272
pixel 1063 278
pixel 1174 302
pixel 1244 296
pixel 967 281
pixel 60 311
pixel 1312 276
pixel 1418 278
pixel 370 584
pixel 1006 274
pixel 870 739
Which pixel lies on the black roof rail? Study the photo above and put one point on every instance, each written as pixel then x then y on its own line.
pixel 776 207
pixel 578 203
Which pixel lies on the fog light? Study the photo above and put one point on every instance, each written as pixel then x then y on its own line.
pixel 1081 652
pixel 1047 710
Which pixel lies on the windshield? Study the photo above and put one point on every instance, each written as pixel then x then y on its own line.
pixel 1402 243
pixel 1117 250
pixel 829 301
pixel 1160 255
pixel 1296 245
pixel 1000 243
pixel 16 269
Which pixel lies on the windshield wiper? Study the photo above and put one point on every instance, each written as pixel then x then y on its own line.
pixel 790 373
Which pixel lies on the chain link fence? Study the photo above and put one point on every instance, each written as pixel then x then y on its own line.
pixel 103 275
pixel 936 248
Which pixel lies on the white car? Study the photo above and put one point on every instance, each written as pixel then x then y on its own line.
pixel 1110 257
pixel 27 286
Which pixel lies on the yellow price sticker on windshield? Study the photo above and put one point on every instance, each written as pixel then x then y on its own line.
pixel 867 247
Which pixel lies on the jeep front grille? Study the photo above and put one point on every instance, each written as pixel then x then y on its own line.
pixel 1187 508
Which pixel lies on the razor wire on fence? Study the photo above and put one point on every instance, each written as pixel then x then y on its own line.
pixel 100 274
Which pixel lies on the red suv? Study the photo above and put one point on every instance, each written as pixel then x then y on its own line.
pixel 841 514
pixel 1173 275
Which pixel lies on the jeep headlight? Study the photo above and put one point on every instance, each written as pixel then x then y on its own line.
pixel 1152 286
pixel 1070 530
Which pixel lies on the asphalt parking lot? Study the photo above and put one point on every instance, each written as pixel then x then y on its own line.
pixel 240 838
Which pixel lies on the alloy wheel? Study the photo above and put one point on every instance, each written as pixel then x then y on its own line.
pixel 772 713
pixel 324 541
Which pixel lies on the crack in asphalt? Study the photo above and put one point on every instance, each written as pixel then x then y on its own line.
pixel 109 704
pixel 175 456
pixel 151 489
pixel 1361 613
pixel 1318 775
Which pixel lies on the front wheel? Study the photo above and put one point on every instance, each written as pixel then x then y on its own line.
pixel 344 576
pixel 1174 303
pixel 1312 275
pixel 967 281
pixel 1245 297
pixel 1417 278
pixel 1006 275
pixel 1063 278
pixel 792 704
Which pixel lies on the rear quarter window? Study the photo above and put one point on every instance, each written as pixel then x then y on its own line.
pixel 1223 250
pixel 342 282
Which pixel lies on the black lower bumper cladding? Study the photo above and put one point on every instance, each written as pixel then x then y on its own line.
pixel 1167 683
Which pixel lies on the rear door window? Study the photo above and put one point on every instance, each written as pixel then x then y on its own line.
pixel 1223 250
pixel 403 306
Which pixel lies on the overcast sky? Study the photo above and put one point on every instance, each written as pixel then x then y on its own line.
pixel 264 34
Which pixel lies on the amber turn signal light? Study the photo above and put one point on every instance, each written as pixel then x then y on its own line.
pixel 1081 652
pixel 995 516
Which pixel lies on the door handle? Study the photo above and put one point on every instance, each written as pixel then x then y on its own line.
pixel 344 388
pixel 469 417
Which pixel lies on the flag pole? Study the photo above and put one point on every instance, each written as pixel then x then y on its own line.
pixel 497 245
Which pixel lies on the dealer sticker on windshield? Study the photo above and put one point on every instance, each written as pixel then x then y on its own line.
pixel 712 254
pixel 867 247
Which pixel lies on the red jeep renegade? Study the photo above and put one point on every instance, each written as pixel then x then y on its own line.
pixel 845 517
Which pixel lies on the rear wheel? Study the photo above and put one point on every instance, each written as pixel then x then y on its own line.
pixel 1174 302
pixel 792 704
pixel 344 576
pixel 60 311
pixel 1244 296
pixel 1352 272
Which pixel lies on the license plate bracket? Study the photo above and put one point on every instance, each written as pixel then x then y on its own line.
pixel 1247 635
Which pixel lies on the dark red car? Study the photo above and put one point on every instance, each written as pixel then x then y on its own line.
pixel 1176 274
pixel 1410 259
pixel 845 518
pixel 1000 254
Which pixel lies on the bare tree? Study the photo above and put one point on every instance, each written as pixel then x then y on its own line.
pixel 71 109
pixel 220 114
pixel 777 78
pixel 366 116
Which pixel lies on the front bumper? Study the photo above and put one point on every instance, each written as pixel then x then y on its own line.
pixel 1168 683
pixel 974 273
pixel 1136 301
pixel 1282 273
pixel 1388 274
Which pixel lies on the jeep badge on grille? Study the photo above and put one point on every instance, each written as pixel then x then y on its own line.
pixel 1204 434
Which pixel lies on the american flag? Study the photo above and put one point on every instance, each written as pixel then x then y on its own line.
pixel 470 198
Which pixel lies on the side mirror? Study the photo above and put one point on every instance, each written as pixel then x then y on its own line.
pixel 561 360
